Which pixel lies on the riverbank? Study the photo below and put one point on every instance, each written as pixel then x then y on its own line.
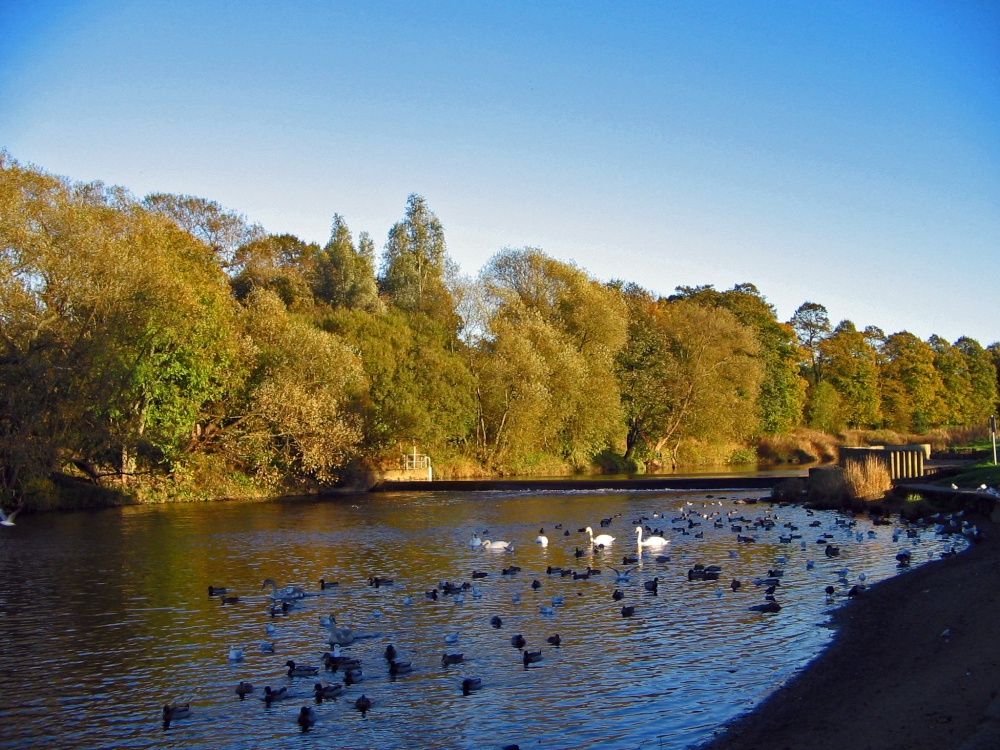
pixel 915 665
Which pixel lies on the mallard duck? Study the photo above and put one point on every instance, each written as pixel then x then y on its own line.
pixel 244 689
pixel 390 653
pixel 324 584
pixel 554 640
pixel 300 670
pixel 447 659
pixel 517 641
pixel 353 675
pixel 531 657
pixel 327 691
pixel 307 718
pixel 217 590
pixel 270 696
pixel 471 683
pixel 173 711
pixel 363 704
pixel 400 667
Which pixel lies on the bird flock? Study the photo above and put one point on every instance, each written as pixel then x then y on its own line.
pixel 627 567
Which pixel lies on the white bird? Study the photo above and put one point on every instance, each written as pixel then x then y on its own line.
pixel 515 598
pixel 266 647
pixel 545 610
pixel 506 546
pixel 542 540
pixel 557 600
pixel 653 541
pixel 235 654
pixel 451 638
pixel 7 519
pixel 476 593
pixel 407 600
pixel 475 541
pixel 621 576
pixel 605 539
pixel 269 628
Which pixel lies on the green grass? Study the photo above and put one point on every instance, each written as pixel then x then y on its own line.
pixel 975 476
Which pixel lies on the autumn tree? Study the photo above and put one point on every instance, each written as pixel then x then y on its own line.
pixel 911 386
pixel 344 275
pixel 850 366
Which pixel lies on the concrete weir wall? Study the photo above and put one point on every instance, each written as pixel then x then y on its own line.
pixel 901 461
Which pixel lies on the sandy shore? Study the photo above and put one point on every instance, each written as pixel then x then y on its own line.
pixel 915 666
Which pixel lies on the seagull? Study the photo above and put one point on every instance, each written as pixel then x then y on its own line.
pixel 7 519
pixel 622 576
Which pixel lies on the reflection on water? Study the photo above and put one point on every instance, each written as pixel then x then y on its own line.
pixel 105 617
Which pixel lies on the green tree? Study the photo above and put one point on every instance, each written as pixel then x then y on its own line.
pixel 688 371
pixel 782 390
pixel 850 366
pixel 564 329
pixel 344 275
pixel 811 324
pixel 415 266
pixel 982 376
pixel 911 386
pixel 280 262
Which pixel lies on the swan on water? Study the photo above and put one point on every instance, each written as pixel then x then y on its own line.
pixel 475 541
pixel 653 541
pixel 506 546
pixel 542 540
pixel 605 539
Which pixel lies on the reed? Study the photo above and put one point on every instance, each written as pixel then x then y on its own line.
pixel 867 480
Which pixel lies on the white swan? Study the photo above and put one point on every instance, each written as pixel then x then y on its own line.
pixel 542 540
pixel 506 546
pixel 475 541
pixel 653 541
pixel 605 539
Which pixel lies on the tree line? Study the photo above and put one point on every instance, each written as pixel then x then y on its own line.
pixel 169 346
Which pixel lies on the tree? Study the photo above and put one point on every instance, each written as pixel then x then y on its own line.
pixel 850 366
pixel 280 262
pixel 344 276
pixel 563 329
pixel 223 230
pixel 782 390
pixel 982 378
pixel 811 324
pixel 911 386
pixel 415 265
pixel 688 371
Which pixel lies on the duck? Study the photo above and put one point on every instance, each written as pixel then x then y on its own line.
pixel 517 641
pixel 651 585
pixel 605 540
pixel 471 683
pixel 390 653
pixel 324 584
pixel 307 718
pixel 173 711
pixel 270 696
pixel 244 689
pixel 300 670
pixel 217 590
pixel 363 704
pixel 652 542
pixel 235 654
pixel 229 599
pixel 496 622
pixel 400 667
pixel 353 676
pixel 536 584
pixel 617 595
pixel 628 610
pixel 531 657
pixel 479 574
pixel 769 606
pixel 377 582
pixel 447 659
pixel 554 640
pixel 327 691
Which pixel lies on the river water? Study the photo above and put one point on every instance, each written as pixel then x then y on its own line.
pixel 105 617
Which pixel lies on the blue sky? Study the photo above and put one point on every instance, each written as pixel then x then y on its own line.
pixel 846 153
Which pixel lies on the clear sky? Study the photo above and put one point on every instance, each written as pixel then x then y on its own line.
pixel 846 153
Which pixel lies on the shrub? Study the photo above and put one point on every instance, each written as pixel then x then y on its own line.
pixel 868 479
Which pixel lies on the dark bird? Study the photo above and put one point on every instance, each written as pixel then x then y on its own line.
pixel 471 683
pixel 400 667
pixel 628 611
pixel 651 585
pixel 771 606
pixel 517 641
pixel 554 640
pixel 531 657
pixel 535 584
pixel 447 659
pixel 307 718
pixel 617 595
pixel 496 622
pixel 270 696
pixel 173 711
pixel 229 599
pixel 324 584
pixel 327 692
pixel 735 585
pixel 217 590
pixel 363 704
pixel 479 574
pixel 244 689
pixel 390 653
